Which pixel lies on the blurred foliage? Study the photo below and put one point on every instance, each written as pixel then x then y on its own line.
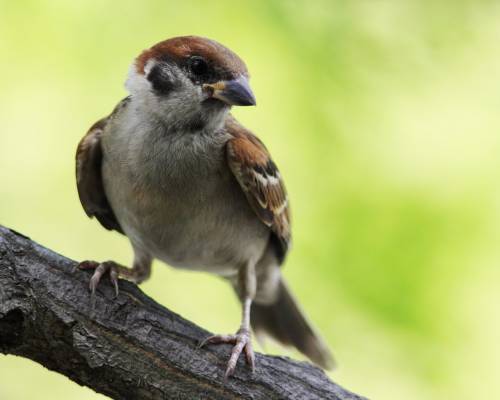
pixel 383 117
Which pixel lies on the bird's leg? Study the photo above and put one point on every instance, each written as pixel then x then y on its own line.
pixel 141 268
pixel 242 340
pixel 140 271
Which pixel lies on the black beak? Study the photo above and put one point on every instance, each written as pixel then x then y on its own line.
pixel 235 92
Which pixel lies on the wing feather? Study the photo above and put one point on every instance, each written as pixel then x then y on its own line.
pixel 261 182
pixel 89 176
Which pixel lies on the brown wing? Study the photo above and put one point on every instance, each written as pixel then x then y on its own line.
pixel 261 181
pixel 89 177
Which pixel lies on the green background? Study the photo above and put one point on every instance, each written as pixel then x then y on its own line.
pixel 383 117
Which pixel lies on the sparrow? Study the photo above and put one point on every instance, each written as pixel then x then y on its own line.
pixel 172 170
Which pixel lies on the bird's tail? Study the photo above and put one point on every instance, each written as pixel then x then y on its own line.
pixel 284 321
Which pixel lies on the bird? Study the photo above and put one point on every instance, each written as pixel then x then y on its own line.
pixel 172 170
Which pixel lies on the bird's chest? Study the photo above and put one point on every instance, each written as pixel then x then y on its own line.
pixel 158 179
pixel 179 200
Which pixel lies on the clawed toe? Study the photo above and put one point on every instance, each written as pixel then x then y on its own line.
pixel 242 342
pixel 218 339
pixel 88 264
pixel 100 269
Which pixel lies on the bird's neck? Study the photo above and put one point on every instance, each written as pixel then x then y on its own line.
pixel 177 118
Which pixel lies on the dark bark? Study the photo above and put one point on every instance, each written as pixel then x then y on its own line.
pixel 129 347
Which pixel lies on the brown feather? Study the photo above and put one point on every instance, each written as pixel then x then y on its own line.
pixel 89 178
pixel 285 321
pixel 261 181
pixel 183 47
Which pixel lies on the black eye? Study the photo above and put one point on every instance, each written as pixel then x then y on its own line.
pixel 198 65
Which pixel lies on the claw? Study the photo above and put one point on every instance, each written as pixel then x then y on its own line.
pixel 250 356
pixel 100 269
pixel 241 341
pixel 113 277
pixel 85 265
pixel 217 339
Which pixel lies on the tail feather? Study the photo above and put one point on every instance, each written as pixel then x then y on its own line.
pixel 284 321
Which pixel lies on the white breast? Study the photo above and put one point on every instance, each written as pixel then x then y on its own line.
pixel 176 198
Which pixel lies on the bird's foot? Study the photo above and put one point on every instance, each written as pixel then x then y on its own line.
pixel 242 341
pixel 100 269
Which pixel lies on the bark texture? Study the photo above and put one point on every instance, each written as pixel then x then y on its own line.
pixel 130 347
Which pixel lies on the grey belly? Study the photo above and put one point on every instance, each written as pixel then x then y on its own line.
pixel 202 224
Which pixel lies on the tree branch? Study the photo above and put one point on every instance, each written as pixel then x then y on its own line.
pixel 129 347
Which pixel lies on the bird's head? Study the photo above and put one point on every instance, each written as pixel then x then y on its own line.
pixel 190 80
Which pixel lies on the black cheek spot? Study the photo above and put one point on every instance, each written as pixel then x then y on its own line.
pixel 160 80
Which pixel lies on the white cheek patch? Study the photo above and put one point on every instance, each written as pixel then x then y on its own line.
pixel 136 82
pixel 183 103
pixel 148 67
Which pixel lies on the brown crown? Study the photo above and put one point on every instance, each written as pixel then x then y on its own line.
pixel 180 48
